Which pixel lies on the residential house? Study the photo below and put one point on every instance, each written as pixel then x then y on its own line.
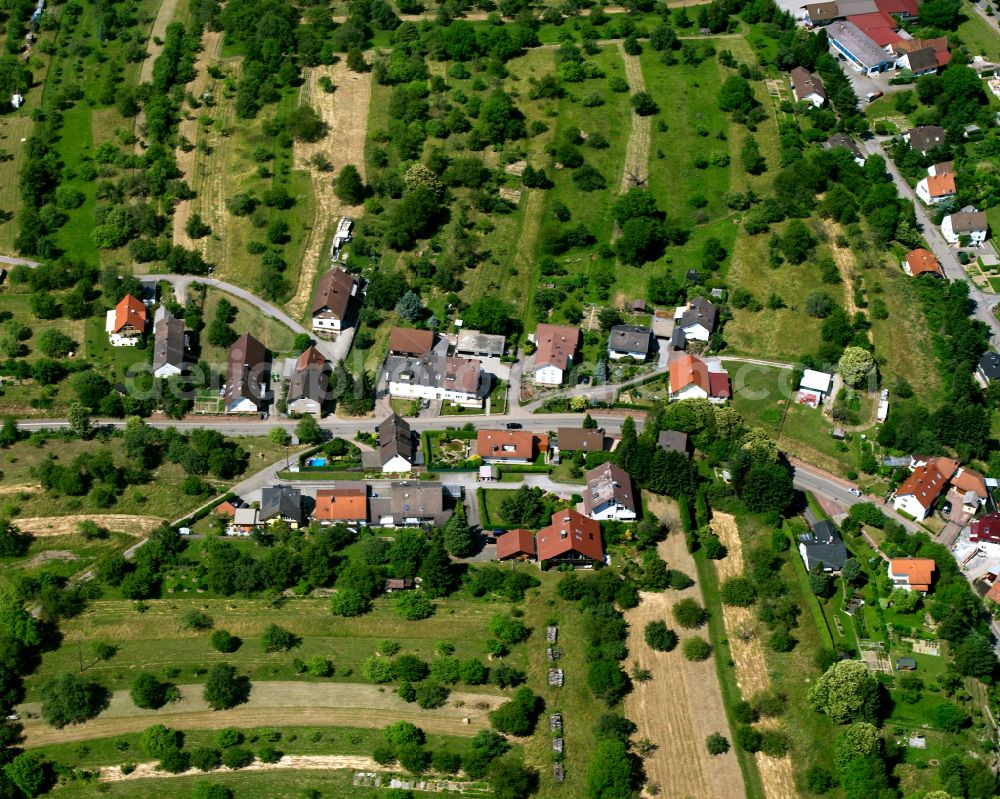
pixel 168 345
pixel 245 520
pixel 247 376
pixel 674 441
pixel 281 503
pixel 845 142
pixel 344 503
pixel 585 439
pixel 629 341
pixel 408 504
pixel 697 319
pixel 484 345
pixel 460 381
pixel 862 53
pixel 985 530
pixel 126 322
pixel 331 302
pixel 510 446
pixel 397 448
pixel 969 488
pixel 944 168
pixel 922 262
pixel 925 138
pixel 516 544
pixel 609 494
pixel 818 14
pixel 808 86
pixel 851 8
pixel 988 368
pixel 935 189
pixel 913 574
pixel 691 378
pixel 918 492
pixel 408 341
pixel 571 538
pixel 227 508
pixel 556 347
pixel 906 48
pixel 823 545
pixel 816 384
pixel 309 387
pixel 972 224
pixel 906 664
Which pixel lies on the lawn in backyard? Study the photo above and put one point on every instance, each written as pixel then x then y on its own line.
pixel 978 36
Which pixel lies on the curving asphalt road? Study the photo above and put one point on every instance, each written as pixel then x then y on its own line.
pixel 332 350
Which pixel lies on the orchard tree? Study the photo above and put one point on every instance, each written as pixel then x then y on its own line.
pixel 855 366
pixel 308 431
pixel 149 693
pixel 847 692
pixel 860 740
pixel 71 699
pixel 30 773
pixel 659 637
pixel 225 688
pixel 511 779
pixel 611 772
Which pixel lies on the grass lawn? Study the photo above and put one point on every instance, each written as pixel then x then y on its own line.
pixel 761 393
pixel 270 332
pixel 979 37
pixel 154 641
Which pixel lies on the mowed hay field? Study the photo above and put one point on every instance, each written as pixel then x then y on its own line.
pixel 682 703
pixel 748 656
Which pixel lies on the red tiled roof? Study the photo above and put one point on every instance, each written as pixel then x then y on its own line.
pixel 920 261
pixel 968 480
pixel 994 593
pixel 883 36
pixel 873 21
pixel 687 370
pixel 515 543
pixel 495 444
pixel 924 485
pixel 719 381
pixel 903 7
pixel 341 504
pixel 987 529
pixel 941 185
pixel 570 531
pixel 130 312
pixel 919 571
pixel 226 509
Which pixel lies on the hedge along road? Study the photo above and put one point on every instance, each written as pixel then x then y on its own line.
pixel 272 704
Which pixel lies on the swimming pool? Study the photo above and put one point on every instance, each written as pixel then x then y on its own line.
pixel 316 462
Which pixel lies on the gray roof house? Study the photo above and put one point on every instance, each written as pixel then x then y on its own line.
pixel 697 319
pixel 988 368
pixel 168 345
pixel 408 504
pixel 397 451
pixel 823 545
pixel 674 441
pixel 310 383
pixel 281 502
pixel 630 341
pixel 925 138
pixel 855 45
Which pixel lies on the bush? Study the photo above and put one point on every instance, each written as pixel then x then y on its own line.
pixel 277 639
pixel 224 641
pixel 196 620
pixel 413 606
pixel 689 614
pixel 268 754
pixel 149 693
pixel 644 104
pixel 738 591
pixel 697 649
pixel 660 637
pixel 717 744
pixel 430 695
pixel 206 758
pixel 775 743
pixel 237 757
pixel 518 716
pixel 228 737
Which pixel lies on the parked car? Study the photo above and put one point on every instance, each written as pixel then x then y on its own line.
pixel 514 425
pixel 856 492
pixel 871 96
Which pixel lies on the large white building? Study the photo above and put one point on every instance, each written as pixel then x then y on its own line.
pixel 460 381
pixel 973 224
pixel 609 494
pixel 556 347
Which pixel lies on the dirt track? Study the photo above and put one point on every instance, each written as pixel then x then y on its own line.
pixel 637 149
pixel 164 16
pixel 145 771
pixel 751 667
pixel 345 112
pixel 273 704
pixel 682 704
pixel 42 526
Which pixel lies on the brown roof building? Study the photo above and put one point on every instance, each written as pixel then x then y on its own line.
pixel 808 85
pixel 309 386
pixel 609 494
pixel 925 138
pixel 821 13
pixel 556 349
pixel 571 538
pixel 586 439
pixel 517 543
pixel 246 377
pixel 409 341
pixel 332 299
